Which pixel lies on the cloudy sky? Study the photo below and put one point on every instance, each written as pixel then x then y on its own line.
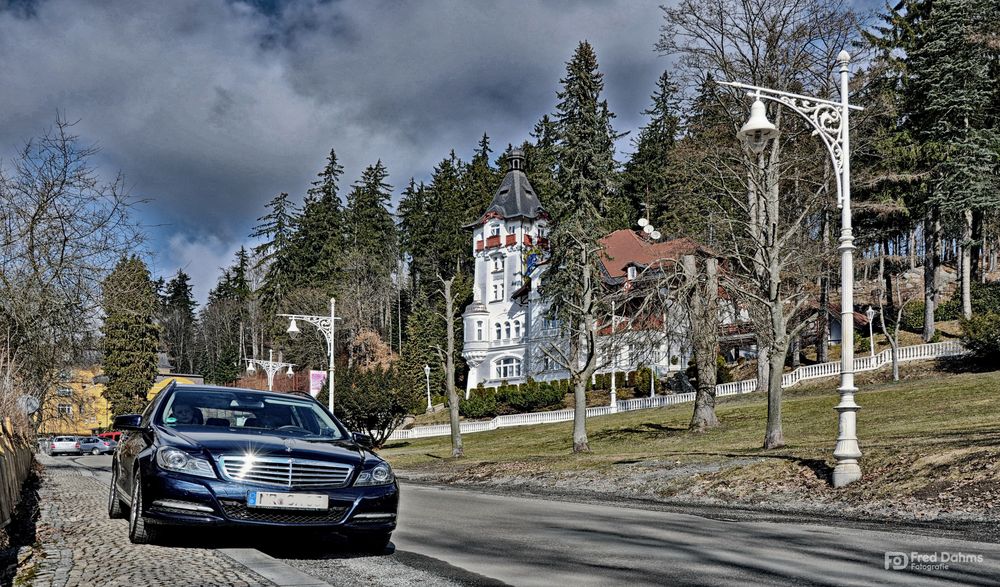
pixel 211 107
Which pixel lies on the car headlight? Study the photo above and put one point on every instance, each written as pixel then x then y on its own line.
pixel 172 459
pixel 381 474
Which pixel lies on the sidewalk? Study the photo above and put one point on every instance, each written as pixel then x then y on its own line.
pixel 82 547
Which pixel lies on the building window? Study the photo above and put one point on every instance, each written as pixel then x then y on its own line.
pixel 494 230
pixel 508 368
pixel 542 231
pixel 66 409
pixel 506 330
pixel 546 363
pixel 498 264
pixel 517 329
pixel 631 273
pixel 499 333
pixel 479 330
pixel 498 291
pixel 550 324
pixel 64 391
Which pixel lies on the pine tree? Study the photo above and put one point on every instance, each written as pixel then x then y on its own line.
pixel 318 241
pixel 131 336
pixel 540 158
pixel 649 175
pixel 581 209
pixel 479 181
pixel 179 322
pixel 276 228
pixel 416 232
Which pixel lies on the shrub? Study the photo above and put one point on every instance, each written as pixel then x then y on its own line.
pixel 981 335
pixel 913 317
pixel 723 374
pixel 642 378
pixel 479 405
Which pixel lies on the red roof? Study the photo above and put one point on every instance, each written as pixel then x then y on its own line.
pixel 625 247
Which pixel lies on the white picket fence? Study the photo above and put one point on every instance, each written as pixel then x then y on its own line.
pixel 867 363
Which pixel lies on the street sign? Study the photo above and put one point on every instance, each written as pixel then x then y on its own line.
pixel 28 403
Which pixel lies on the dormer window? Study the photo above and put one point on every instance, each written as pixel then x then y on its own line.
pixel 631 273
pixel 494 230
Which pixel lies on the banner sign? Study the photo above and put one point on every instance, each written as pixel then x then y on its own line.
pixel 316 381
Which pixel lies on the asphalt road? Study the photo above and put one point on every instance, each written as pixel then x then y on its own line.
pixel 449 536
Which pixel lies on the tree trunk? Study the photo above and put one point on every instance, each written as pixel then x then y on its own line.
pixel 932 248
pixel 967 264
pixel 774 437
pixel 704 319
pixel 449 369
pixel 585 349
pixel 912 245
pixel 763 364
pixel 977 247
pixel 886 276
pixel 823 321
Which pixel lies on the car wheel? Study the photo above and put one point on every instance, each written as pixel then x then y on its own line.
pixel 138 531
pixel 371 542
pixel 115 509
pixel 95 452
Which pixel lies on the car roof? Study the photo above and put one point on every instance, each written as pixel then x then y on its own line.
pixel 201 387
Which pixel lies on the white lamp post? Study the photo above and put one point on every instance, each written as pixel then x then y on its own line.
pixel 326 325
pixel 270 366
pixel 831 122
pixel 427 376
pixel 871 332
pixel 614 361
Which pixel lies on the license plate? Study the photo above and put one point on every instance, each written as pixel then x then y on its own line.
pixel 290 501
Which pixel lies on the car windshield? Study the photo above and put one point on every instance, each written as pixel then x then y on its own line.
pixel 249 412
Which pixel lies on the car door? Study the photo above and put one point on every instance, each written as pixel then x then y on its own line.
pixel 132 444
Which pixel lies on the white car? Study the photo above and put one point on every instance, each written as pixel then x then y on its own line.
pixel 65 445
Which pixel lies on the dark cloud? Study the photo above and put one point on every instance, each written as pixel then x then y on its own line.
pixel 212 107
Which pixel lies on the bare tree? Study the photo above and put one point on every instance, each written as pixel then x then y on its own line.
pixel 452 296
pixel 703 304
pixel 768 200
pixel 62 228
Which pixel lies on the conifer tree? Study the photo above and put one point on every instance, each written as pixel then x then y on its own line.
pixel 319 236
pixel 178 322
pixel 276 228
pixel 131 336
pixel 585 170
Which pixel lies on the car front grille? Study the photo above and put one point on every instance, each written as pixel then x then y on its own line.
pixel 238 510
pixel 284 471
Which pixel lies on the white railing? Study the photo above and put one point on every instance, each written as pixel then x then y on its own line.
pixel 868 363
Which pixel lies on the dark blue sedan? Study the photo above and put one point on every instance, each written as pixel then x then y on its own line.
pixel 227 457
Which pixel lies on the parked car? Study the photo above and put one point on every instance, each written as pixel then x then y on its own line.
pixel 228 457
pixel 116 435
pixel 65 445
pixel 97 446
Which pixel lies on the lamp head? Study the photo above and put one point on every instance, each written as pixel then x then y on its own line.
pixel 293 328
pixel 427 370
pixel 870 313
pixel 289 372
pixel 250 368
pixel 758 130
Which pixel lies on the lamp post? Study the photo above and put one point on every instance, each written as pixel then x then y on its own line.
pixel 427 376
pixel 326 325
pixel 614 362
pixel 871 332
pixel 270 366
pixel 830 120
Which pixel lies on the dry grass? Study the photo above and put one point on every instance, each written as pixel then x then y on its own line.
pixel 927 438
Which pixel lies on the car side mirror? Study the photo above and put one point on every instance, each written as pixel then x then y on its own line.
pixel 363 439
pixel 128 422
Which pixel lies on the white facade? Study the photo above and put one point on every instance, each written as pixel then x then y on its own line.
pixel 508 339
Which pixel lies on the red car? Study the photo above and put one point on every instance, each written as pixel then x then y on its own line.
pixel 116 436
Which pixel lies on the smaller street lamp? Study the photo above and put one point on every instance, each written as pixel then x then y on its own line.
pixel 871 333
pixel 270 367
pixel 427 376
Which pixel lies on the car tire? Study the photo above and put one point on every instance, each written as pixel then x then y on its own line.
pixel 115 509
pixel 95 451
pixel 139 531
pixel 371 542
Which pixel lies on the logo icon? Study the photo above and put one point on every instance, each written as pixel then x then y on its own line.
pixel 896 561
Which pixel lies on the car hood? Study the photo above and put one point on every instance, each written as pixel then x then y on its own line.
pixel 220 443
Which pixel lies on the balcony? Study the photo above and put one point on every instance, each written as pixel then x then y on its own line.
pixel 492 242
pixel 511 240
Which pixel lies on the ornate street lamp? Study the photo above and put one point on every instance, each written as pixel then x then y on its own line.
pixel 326 325
pixel 831 123
pixel 270 367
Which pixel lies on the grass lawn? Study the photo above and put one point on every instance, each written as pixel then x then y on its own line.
pixel 931 441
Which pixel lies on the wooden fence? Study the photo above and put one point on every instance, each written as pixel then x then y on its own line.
pixel 16 456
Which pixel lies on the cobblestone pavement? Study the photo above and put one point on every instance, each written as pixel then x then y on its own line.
pixel 82 547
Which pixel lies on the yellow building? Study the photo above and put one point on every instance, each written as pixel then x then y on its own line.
pixel 79 408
